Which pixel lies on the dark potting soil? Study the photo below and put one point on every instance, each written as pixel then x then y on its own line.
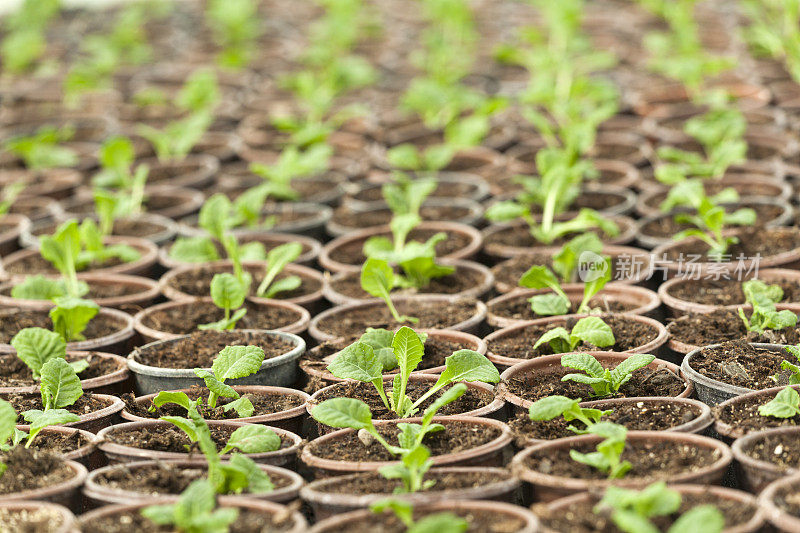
pixel 59 443
pixel 196 282
pixel 594 199
pixel 101 290
pixel 6 226
pixel 703 329
pixel 263 404
pixel 13 323
pixel 650 459
pixel 519 236
pixel 171 439
pixel 88 403
pixel 461 280
pixel 711 187
pixel 479 522
pixel 122 228
pixel 185 319
pixel 431 315
pixel 641 416
pixel 378 217
pixel 39 520
pixel 753 241
pixel 665 227
pixel 247 522
pixel 201 347
pixel 740 364
pixel 644 382
pixel 29 469
pixel 456 437
pixel 788 499
pixel 744 418
pixel 374 483
pixel 163 478
pixel 581 518
pixel 471 400
pixel 444 189
pixel 627 334
pixel 36 264
pixel 436 350
pixel 778 450
pixel 510 271
pixel 726 292
pixel 15 373
pixel 351 253
pixel 520 308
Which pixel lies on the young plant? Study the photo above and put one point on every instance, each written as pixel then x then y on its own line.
pixel 292 164
pixel 794 379
pixel 785 404
pixel 8 195
pixel 195 512
pixel 228 293
pixel 632 511
pixel 71 316
pixel 176 140
pixel 235 26
pixel 765 316
pixel 36 346
pixel 9 430
pixel 232 362
pixel 42 149
pixel 709 222
pixel 116 159
pixel 60 387
pixel 608 457
pixel 378 279
pixel 437 522
pixel 550 407
pixel 603 381
pixel 277 259
pixel 590 329
pixel 360 362
pixel 405 195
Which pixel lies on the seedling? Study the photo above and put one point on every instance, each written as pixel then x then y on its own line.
pixel 709 222
pixel 590 329
pixel 603 381
pixel 195 512
pixel 71 315
pixel 116 158
pixel 405 196
pixel 25 38
pixel 632 511
pixel 232 362
pixel 9 430
pixel 378 279
pixel 236 26
pixel 608 457
pixel 277 259
pixel 409 157
pixel 785 404
pixel 9 194
pixel 794 379
pixel 228 293
pixel 42 149
pixel 404 511
pixel 360 362
pixel 574 253
pixel 765 316
pixel 292 164
pixel 177 139
pixel 550 407
pixel 240 472
pixel 60 387
pixel 36 346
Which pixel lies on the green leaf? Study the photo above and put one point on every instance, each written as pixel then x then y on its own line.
pixel 622 372
pixel 243 407
pixel 178 398
pixel 8 421
pixel 439 523
pixel 785 404
pixel 39 420
pixel 253 438
pixel 226 291
pixel 36 346
pixel 357 362
pixel 237 362
pixel 60 386
pixel 594 331
pixel 700 519
pixel 258 482
pixel 381 342
pixel 583 362
pixel 215 216
pixel 558 338
pixel 343 413
pixel 185 425
pixel 506 211
pixel 71 316
pixel 468 365
pixel 217 387
pixel 39 287
pixel 193 250
pixel 277 259
pixel 550 407
pixel 377 279
pixel 408 349
pixel 539 277
pixel 452 394
pixel 551 304
pixel 286 284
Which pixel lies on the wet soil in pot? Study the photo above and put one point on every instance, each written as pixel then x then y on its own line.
pixel 13 323
pixel 88 403
pixel 172 439
pixel 581 518
pixel 788 499
pixel 509 272
pixel 59 443
pixel 642 416
pixel 726 292
pixel 197 282
pixel 351 252
pixel 28 469
pixel 627 333
pixel 479 521
pixel 374 483
pixel 444 189
pixel 722 325
pixel 15 373
pixel 752 241
pixel 431 315
pixel 201 347
pixel 378 217
pixel 472 399
pixel 520 308
pixel 740 364
pixel 36 264
pixel 644 382
pixel 263 404
pixel 38 520
pixel 595 199
pixel 666 227
pixel 520 237
pixel 247 522
pixel 743 416
pixel 461 280
pixel 101 290
pixel 185 319
pixel 777 450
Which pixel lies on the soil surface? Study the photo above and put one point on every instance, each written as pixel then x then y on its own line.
pixel 378 217
pixel 703 329
pixel 788 499
pixel 472 399
pixel 444 189
pixel 36 264
pixel 101 290
pixel 457 437
pixel 740 364
pixel 121 228
pixel 431 315
pixel 479 522
pixel 15 373
pixel 520 308
pixel 59 443
pixel 510 271
pixel 263 404
pixel 520 237
pixel 201 347
pixel 29 469
pixel 374 483
pixel 30 521
pixel 744 418
pixel 753 241
pixel 14 322
pixel 351 253
pixel 776 449
pixel 172 439
pixel 594 199
pixel 726 292
pixel 247 522
pixel 88 403
pixel 581 518
pixel 461 280
pixel 196 282
pixel 665 227
pixel 641 416
pixel 184 319
pixel 627 334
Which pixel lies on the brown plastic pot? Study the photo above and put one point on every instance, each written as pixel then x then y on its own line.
pixel 471 325
pixel 194 171
pixel 98 494
pixel 311 301
pixel 777 515
pixel 546 487
pixel 499 252
pixel 487 454
pixel 755 474
pixel 326 502
pixel 150 334
pixel 551 364
pixel 504 512
pixel 502 361
pixel 361 236
pixel 677 307
pixel 115 382
pixel 94 421
pixel 88 455
pixel 116 343
pixel 56 183
pixel 477 291
pixel 65 516
pixel 289 419
pixel 622 199
pixel 492 410
pixel 146 293
pixel 9 237
pixel 755 524
pixel 643 301
pixel 117 453
pixel 268 509
pixel 727 432
pixel 656 100
pixel 162 229
pixel 370 192
pixel 66 493
pixel 163 200
pixel 37 208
